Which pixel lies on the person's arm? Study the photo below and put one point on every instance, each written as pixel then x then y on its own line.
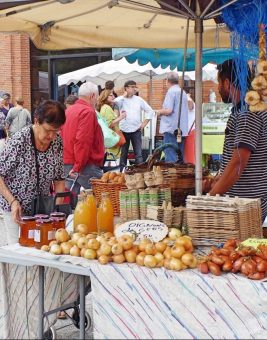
pixel 144 123
pixel 28 119
pixel 59 179
pixel 117 120
pixel 168 105
pixel 149 113
pixel 163 112
pixel 59 187
pixel 232 172
pixel 12 201
pixel 8 120
pixel 191 104
pixel 8 163
pixel 108 113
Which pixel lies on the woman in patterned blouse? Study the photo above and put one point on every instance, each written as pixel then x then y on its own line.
pixel 18 179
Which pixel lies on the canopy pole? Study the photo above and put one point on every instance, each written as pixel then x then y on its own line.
pixel 198 101
pixel 150 103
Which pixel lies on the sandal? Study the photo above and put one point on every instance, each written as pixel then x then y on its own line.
pixel 62 315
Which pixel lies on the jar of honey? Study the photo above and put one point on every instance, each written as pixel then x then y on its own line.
pixel 59 220
pixel 26 231
pixel 44 232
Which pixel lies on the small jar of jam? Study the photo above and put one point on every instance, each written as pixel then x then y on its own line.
pixel 44 232
pixel 59 220
pixel 26 231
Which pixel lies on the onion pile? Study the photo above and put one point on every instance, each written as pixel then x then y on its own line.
pixel 235 258
pixel 175 252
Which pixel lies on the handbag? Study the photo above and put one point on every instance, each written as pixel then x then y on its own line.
pixel 111 138
pixel 122 140
pixel 40 204
pixel 189 147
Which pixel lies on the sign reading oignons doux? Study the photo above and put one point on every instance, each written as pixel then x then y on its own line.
pixel 154 230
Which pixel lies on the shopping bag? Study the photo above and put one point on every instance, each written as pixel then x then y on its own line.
pixel 42 205
pixel 111 138
pixel 122 140
pixel 189 147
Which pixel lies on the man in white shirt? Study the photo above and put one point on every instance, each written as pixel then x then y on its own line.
pixel 170 119
pixel 132 125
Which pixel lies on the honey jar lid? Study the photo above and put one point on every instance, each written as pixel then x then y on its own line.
pixel 43 221
pixel 41 216
pixel 58 219
pixel 58 214
pixel 28 218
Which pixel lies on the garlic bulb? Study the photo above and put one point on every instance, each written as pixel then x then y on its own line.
pixel 260 107
pixel 252 98
pixel 262 67
pixel 259 83
pixel 263 94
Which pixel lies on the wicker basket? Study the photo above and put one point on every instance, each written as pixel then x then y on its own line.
pixel 212 220
pixel 113 189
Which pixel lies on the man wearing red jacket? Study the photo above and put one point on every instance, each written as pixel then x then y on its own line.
pixel 83 141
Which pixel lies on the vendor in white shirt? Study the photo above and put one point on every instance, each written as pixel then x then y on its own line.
pixel 132 125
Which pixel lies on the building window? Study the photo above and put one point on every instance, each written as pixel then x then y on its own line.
pixel 46 66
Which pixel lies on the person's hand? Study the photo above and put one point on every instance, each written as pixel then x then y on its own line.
pixel 122 114
pixel 157 112
pixel 207 184
pixel 142 126
pixel 16 211
pixel 73 174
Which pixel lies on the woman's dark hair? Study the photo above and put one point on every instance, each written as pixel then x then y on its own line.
pixel 51 112
pixel 109 85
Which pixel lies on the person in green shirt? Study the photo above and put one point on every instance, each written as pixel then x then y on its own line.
pixel 105 108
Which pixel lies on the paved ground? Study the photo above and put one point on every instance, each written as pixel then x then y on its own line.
pixel 70 331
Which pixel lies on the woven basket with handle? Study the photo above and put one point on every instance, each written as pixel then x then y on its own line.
pixel 113 189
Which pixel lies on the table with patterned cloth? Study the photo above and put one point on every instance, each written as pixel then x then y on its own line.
pixel 19 294
pixel 133 302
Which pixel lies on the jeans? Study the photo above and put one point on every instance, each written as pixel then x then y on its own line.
pixel 170 154
pixel 84 177
pixel 136 139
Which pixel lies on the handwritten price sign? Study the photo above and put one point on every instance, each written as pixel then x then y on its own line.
pixel 154 230
pixel 254 242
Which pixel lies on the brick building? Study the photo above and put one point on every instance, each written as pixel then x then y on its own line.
pixel 25 70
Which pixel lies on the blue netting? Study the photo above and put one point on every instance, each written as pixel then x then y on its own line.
pixel 243 19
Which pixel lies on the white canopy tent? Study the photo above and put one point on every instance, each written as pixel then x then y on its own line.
pixel 121 70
